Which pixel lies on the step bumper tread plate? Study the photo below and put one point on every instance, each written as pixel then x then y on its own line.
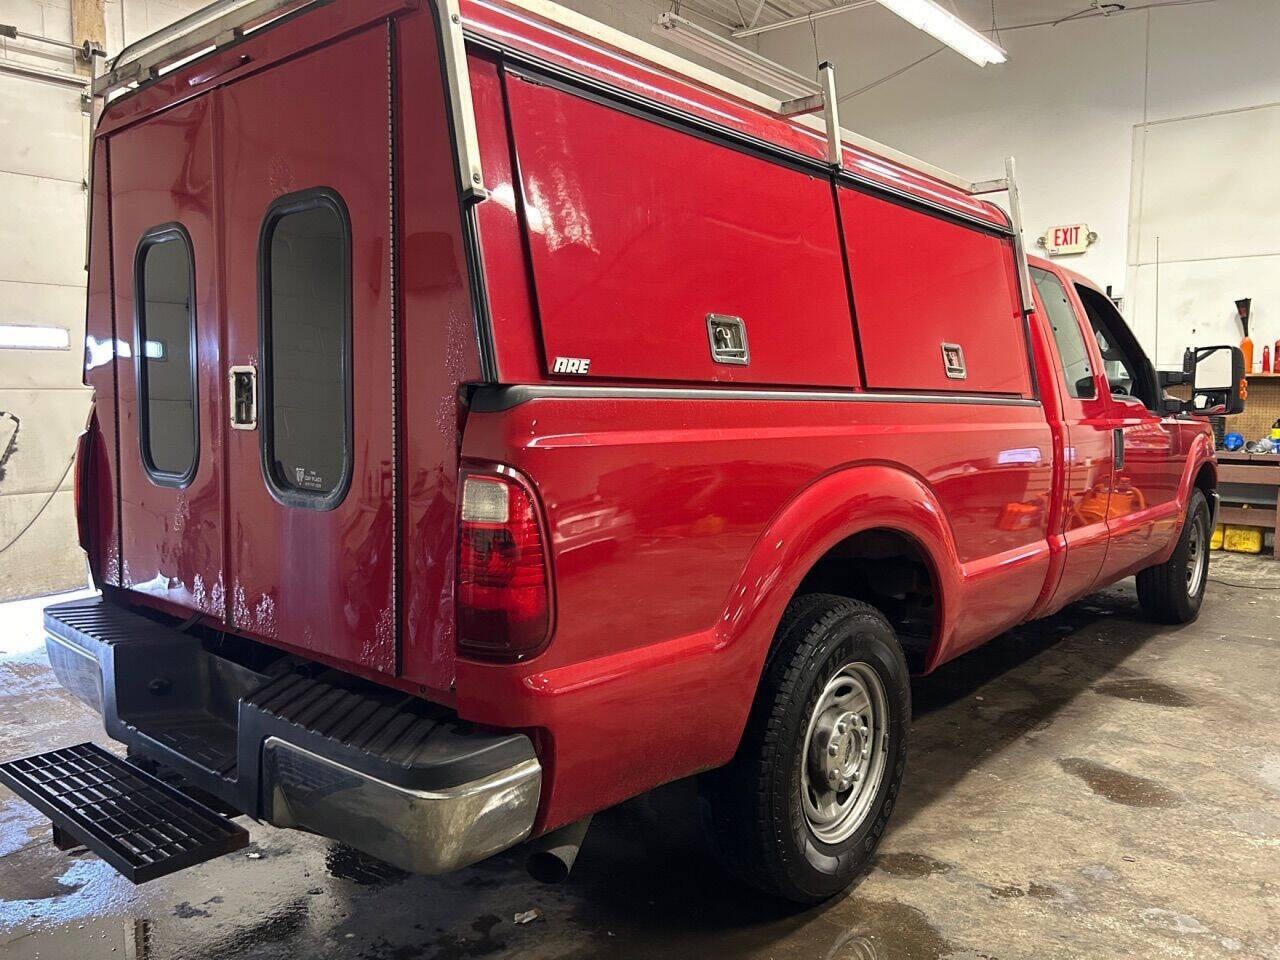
pixel 137 823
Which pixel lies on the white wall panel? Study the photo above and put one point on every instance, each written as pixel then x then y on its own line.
pixel 1208 216
pixel 41 129
pixel 47 423
pixel 42 230
pixel 46 559
pixel 36 303
pixel 1208 187
pixel 1196 305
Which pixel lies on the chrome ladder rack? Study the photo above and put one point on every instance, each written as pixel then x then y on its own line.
pixel 224 22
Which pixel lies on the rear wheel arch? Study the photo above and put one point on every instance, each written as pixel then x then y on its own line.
pixel 852 514
pixel 892 571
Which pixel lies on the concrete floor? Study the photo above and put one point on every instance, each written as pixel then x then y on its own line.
pixel 1089 786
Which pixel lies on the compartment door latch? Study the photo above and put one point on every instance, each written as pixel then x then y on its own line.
pixel 244 397
pixel 728 337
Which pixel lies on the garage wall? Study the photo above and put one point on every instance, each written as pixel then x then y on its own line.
pixel 1066 105
pixel 42 403
pixel 1202 230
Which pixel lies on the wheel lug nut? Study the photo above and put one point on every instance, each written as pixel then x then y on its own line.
pixel 832 750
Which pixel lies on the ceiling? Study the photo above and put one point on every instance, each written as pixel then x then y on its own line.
pixel 750 13
pixel 741 14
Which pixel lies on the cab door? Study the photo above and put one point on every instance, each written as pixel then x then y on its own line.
pixel 310 352
pixel 1144 514
pixel 1088 456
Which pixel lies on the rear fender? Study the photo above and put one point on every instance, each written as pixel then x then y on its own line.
pixel 615 726
pixel 833 508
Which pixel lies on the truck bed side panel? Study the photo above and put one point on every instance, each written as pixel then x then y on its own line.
pixel 655 507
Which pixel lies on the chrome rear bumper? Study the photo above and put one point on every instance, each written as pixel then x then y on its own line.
pixel 422 831
pixel 400 779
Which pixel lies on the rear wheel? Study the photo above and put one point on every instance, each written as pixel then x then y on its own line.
pixel 1171 592
pixel 800 810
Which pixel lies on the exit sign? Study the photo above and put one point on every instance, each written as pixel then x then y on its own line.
pixel 1068 239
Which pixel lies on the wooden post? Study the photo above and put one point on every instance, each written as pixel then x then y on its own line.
pixel 88 24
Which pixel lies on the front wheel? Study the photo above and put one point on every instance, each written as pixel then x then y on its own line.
pixel 801 808
pixel 1171 592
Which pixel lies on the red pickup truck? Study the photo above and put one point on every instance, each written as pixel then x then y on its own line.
pixel 497 418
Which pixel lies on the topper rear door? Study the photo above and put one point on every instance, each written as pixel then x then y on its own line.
pixel 311 368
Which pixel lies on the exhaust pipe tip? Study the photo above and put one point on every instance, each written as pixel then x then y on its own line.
pixel 552 855
pixel 547 866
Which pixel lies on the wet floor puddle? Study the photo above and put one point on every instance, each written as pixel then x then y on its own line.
pixel 1145 690
pixel 886 930
pixel 911 866
pixel 1118 786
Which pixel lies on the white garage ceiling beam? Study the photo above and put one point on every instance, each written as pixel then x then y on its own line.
pixel 803 18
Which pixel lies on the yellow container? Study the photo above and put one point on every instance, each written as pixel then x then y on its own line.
pixel 1215 542
pixel 1242 539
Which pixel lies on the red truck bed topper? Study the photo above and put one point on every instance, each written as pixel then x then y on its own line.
pixel 197 52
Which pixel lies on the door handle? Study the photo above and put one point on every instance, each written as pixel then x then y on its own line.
pixel 243 384
pixel 1117 446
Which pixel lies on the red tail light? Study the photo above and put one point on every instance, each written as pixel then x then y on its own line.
pixel 503 596
pixel 80 471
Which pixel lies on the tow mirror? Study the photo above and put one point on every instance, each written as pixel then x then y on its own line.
pixel 1217 378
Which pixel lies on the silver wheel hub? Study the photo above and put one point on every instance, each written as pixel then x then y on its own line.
pixel 845 752
pixel 1197 556
pixel 845 735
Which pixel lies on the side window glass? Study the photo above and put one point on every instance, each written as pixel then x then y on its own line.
pixel 164 347
pixel 1076 368
pixel 1129 373
pixel 305 303
pixel 1119 376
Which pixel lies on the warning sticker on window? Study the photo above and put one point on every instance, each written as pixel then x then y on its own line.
pixel 307 479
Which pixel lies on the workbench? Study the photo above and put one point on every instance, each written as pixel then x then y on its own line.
pixel 1250 487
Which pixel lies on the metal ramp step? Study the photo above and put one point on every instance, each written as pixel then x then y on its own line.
pixel 137 823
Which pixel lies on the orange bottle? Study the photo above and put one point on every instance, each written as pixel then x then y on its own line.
pixel 1246 345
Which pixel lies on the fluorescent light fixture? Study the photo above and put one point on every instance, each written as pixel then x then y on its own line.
pixel 946 27
pixel 22 336
pixel 725 52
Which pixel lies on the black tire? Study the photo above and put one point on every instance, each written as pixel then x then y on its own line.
pixel 1165 591
pixel 752 808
